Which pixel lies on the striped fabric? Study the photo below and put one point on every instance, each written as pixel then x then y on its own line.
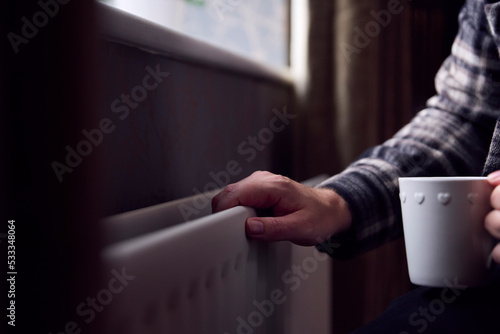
pixel 457 134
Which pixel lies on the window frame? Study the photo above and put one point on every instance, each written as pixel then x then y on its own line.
pixel 123 27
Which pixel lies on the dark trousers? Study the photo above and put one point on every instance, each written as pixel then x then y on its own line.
pixel 452 310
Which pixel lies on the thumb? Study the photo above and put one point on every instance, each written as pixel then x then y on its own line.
pixel 494 178
pixel 255 226
pixel 267 228
pixel 276 229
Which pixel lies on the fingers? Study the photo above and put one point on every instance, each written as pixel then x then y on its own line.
pixel 495 198
pixel 492 220
pixel 226 199
pixel 496 253
pixel 260 190
pixel 285 199
pixel 492 223
pixel 494 178
pixel 300 214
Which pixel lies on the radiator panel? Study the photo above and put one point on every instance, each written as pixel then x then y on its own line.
pixel 206 276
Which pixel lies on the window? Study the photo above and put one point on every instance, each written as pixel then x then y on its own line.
pixel 258 29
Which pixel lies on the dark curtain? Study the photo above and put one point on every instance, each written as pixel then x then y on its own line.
pixel 371 68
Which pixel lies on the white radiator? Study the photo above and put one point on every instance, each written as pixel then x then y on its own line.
pixel 205 276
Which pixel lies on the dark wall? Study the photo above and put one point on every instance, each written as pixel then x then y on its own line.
pixel 72 155
pixel 47 75
pixel 195 128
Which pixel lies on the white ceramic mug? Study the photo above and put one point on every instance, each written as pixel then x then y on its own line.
pixel 445 238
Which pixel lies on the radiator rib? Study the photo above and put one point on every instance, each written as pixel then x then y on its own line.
pixel 205 276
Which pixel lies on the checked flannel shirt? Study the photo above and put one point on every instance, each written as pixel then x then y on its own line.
pixel 458 133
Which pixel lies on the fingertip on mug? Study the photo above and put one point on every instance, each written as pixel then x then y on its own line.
pixel 496 253
pixel 494 177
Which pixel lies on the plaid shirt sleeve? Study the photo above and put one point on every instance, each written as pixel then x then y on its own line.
pixel 451 136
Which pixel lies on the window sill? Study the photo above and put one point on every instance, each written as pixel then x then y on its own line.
pixel 120 26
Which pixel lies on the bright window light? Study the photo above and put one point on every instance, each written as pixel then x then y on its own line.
pixel 258 29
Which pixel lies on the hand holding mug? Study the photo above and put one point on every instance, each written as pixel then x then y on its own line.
pixel 444 222
pixel 492 220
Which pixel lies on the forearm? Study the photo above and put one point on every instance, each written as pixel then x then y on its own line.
pixel 451 137
pixel 434 143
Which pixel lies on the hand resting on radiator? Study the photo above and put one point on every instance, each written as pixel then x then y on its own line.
pixel 301 214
